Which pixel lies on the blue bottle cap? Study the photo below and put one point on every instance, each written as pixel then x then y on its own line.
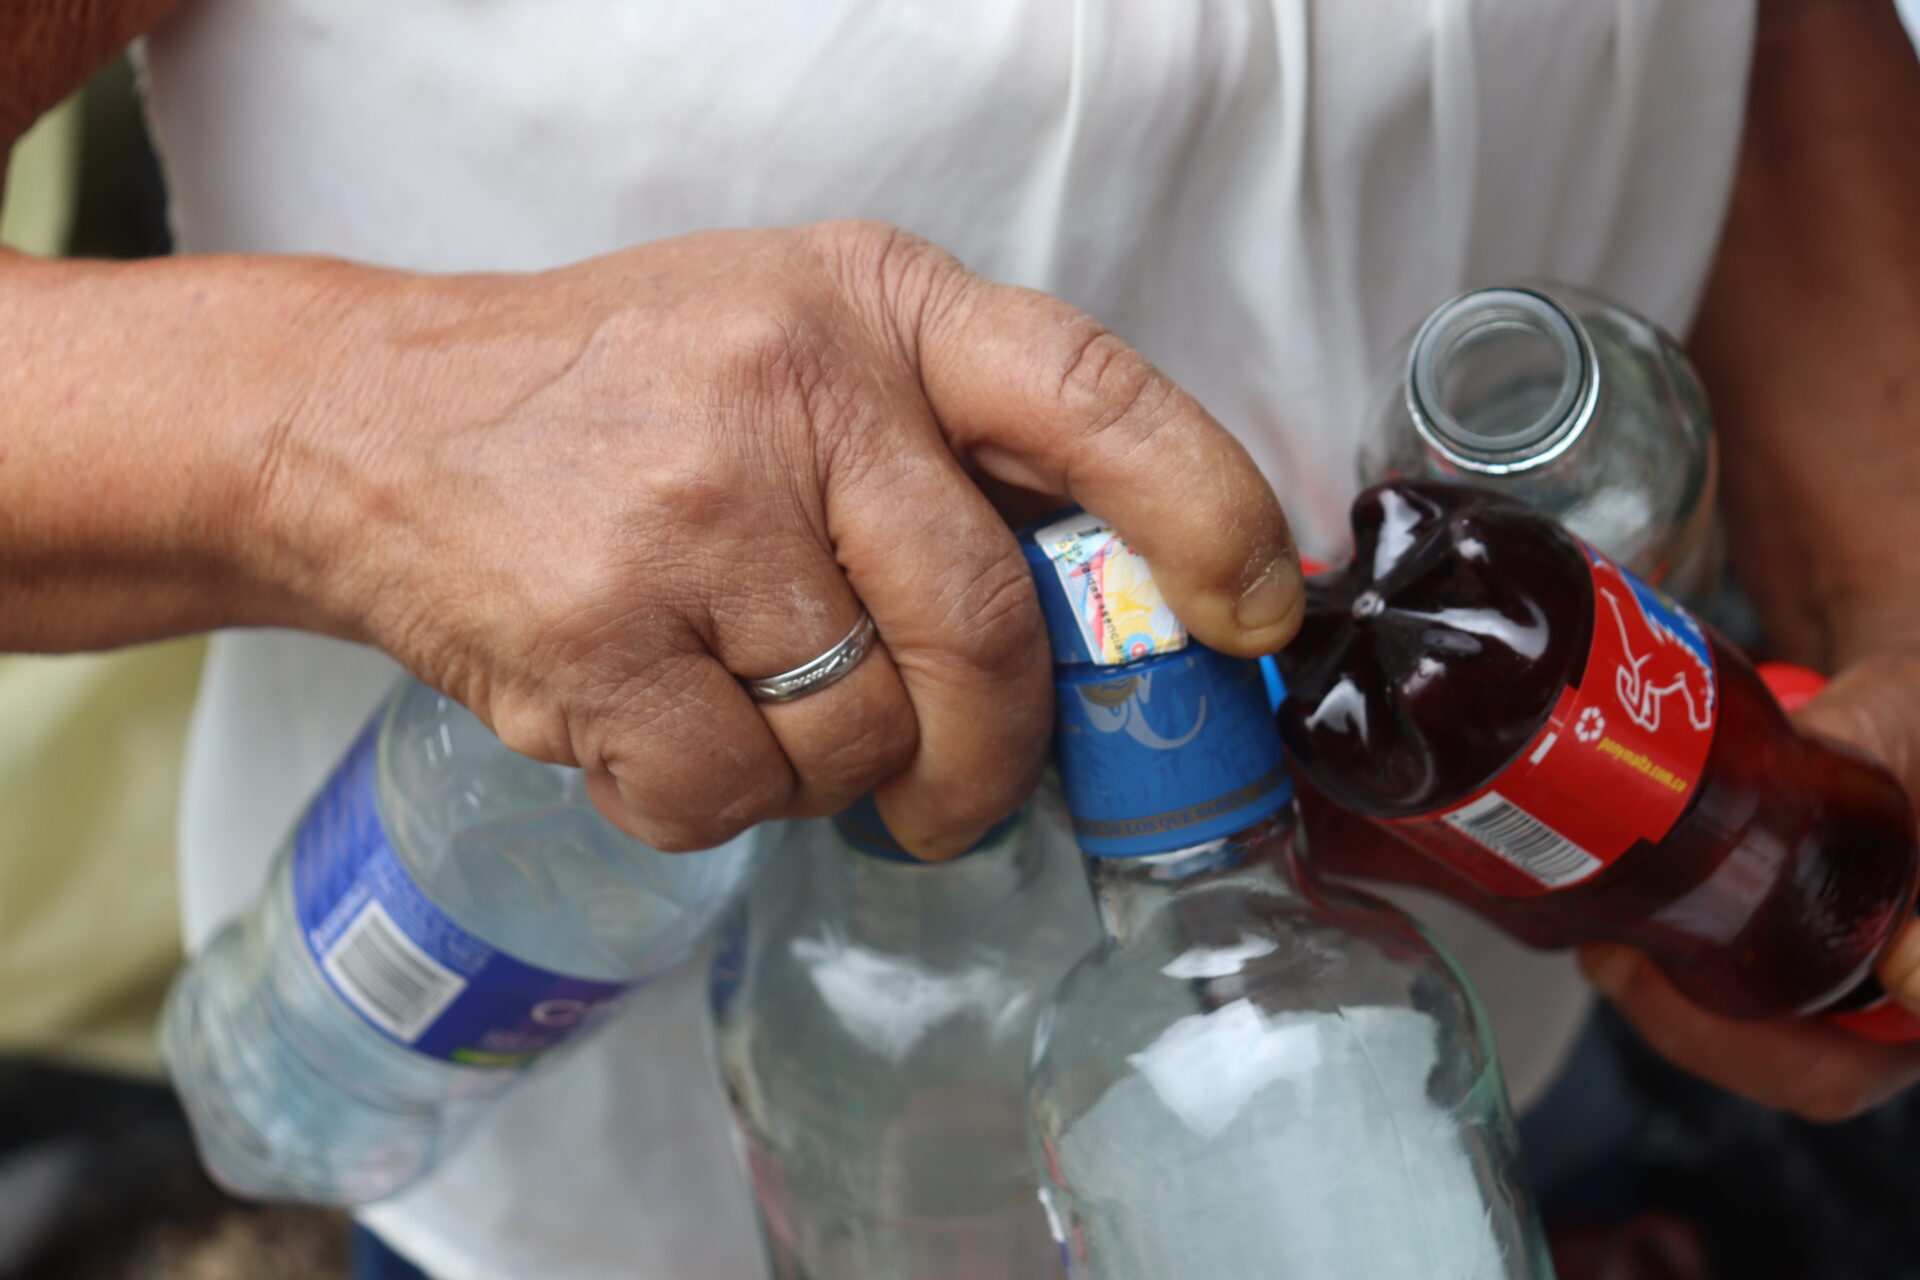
pixel 1276 683
pixel 1162 743
pixel 860 826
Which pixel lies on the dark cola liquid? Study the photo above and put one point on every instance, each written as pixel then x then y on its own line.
pixel 1432 660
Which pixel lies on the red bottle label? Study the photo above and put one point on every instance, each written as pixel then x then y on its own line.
pixel 1883 1020
pixel 1616 763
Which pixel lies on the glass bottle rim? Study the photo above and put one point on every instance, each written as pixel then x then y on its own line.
pixel 1470 319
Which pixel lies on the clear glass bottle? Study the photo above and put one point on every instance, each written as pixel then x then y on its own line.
pixel 1573 404
pixel 444 914
pixel 873 1020
pixel 1252 1075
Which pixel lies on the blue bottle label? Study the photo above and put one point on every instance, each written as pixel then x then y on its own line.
pixel 402 963
pixel 1167 753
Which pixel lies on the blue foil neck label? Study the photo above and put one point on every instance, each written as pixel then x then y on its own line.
pixel 1167 753
pixel 398 960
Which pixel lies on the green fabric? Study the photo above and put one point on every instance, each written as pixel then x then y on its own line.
pixel 90 751
pixel 42 177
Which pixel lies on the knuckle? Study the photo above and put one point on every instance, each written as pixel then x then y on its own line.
pixel 865 249
pixel 787 363
pixel 612 662
pixel 770 333
pixel 531 730
pixel 684 489
pixel 999 614
pixel 757 795
pixel 902 273
pixel 693 816
pixel 854 239
pixel 1106 383
pixel 872 747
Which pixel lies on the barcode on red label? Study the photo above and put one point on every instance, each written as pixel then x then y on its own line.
pixel 1523 840
pixel 388 977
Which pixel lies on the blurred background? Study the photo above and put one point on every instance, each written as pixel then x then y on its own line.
pixel 98 1181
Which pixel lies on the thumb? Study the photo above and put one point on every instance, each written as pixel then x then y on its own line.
pixel 1040 396
pixel 1874 706
pixel 1899 970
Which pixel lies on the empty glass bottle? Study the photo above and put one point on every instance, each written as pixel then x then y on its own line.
pixel 1573 404
pixel 1252 1075
pixel 873 1022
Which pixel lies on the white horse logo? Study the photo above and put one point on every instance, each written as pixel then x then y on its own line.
pixel 1643 692
pixel 1115 707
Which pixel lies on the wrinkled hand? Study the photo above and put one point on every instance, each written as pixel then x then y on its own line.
pixel 1808 1067
pixel 586 502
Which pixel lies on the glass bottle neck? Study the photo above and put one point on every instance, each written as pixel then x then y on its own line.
pixel 1502 380
pixel 1130 891
pixel 889 900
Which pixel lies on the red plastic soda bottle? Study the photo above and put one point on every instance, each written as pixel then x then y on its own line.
pixel 1593 763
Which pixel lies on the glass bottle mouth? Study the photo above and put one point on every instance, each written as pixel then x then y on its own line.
pixel 1501 380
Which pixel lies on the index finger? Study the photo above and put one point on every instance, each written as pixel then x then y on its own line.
pixel 1039 395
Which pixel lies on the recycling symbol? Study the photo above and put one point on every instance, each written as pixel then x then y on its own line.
pixel 1590 725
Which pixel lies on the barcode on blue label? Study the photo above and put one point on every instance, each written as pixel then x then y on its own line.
pixel 386 975
pixel 1523 841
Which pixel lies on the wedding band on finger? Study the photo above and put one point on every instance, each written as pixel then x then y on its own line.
pixel 811 677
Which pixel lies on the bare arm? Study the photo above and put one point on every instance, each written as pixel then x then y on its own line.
pixel 143 410
pixel 115 509
pixel 1810 332
pixel 1809 340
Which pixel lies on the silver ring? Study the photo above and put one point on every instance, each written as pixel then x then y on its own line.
pixel 811 677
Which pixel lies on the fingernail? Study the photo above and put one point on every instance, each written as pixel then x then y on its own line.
pixel 1608 968
pixel 1267 602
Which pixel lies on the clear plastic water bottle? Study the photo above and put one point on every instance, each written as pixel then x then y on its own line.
pixel 874 1022
pixel 1573 404
pixel 445 913
pixel 1254 1074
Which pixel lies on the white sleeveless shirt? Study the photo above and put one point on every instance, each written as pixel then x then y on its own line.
pixel 1260 194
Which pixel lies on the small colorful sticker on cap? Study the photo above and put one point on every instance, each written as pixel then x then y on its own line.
pixel 1114 597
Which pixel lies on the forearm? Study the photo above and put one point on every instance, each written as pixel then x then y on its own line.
pixel 189 443
pixel 1809 336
